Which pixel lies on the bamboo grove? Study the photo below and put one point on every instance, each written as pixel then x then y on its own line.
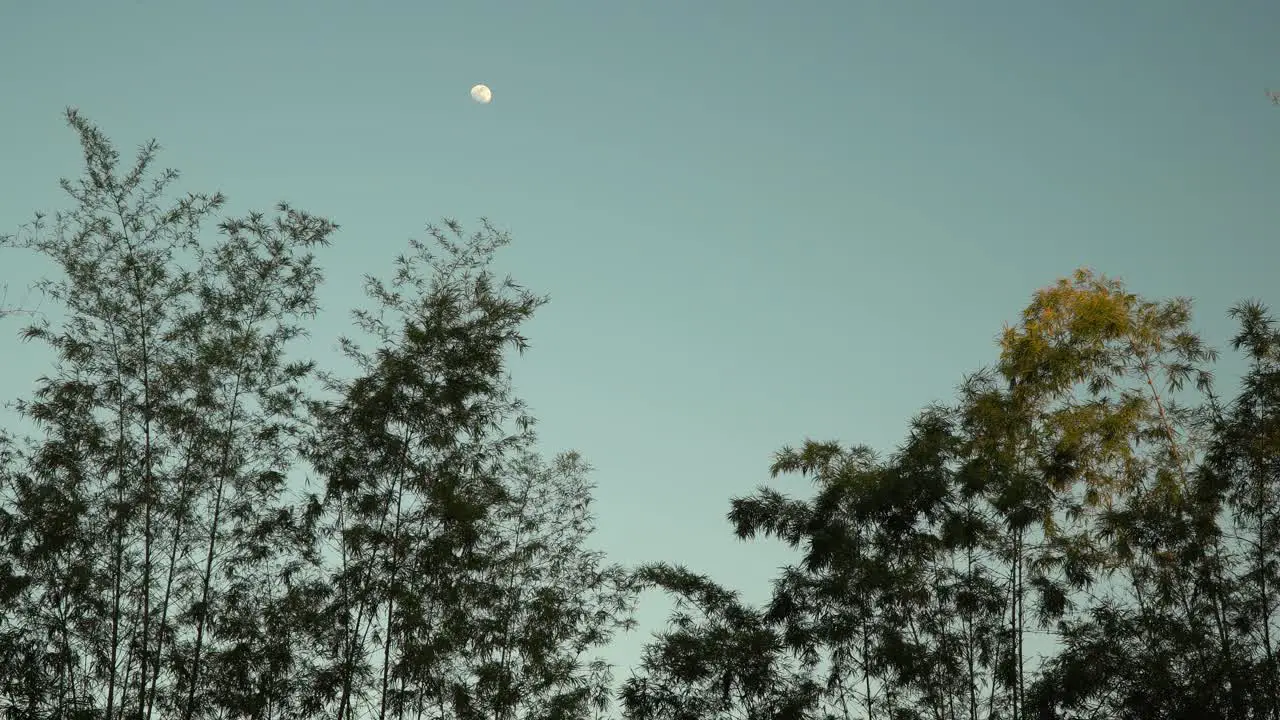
pixel 206 526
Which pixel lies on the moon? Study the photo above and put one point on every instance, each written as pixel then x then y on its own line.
pixel 481 94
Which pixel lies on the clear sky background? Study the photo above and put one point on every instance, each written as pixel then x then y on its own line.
pixel 758 221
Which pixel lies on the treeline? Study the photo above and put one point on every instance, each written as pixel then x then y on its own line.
pixel 155 562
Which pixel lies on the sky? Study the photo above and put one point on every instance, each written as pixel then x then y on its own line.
pixel 757 221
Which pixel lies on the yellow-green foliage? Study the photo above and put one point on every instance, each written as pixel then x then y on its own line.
pixel 1076 340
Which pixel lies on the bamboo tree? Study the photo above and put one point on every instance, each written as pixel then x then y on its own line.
pixel 1244 464
pixel 547 599
pixel 1000 449
pixel 889 582
pixel 439 541
pixel 719 659
pixel 829 607
pixel 132 417
pixel 115 249
pixel 1080 341
pixel 253 285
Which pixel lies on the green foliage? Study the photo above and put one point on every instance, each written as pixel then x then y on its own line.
pixel 155 561
pixel 1067 492
pixel 719 659
pixel 462 585
pixel 166 424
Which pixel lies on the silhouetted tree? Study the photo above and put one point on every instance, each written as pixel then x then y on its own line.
pixel 154 562
pixel 1070 481
pixel 463 587
pixel 152 559
pixel 166 428
pixel 718 659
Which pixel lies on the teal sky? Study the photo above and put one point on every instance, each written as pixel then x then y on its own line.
pixel 757 221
